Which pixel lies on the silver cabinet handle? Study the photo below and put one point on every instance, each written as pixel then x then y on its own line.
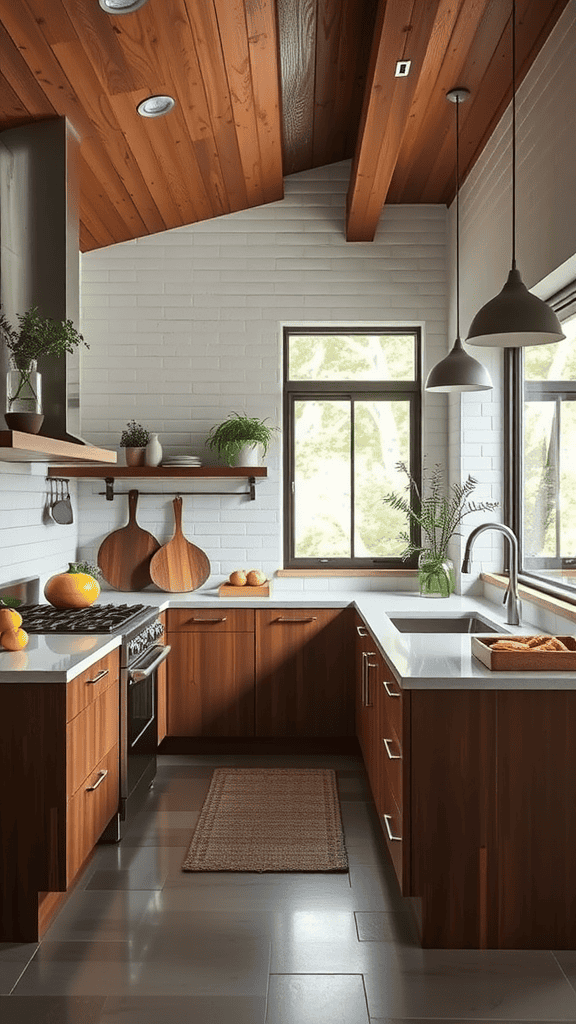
pixel 369 665
pixel 391 836
pixel 101 776
pixel 393 757
pixel 286 618
pixel 391 693
pixel 361 631
pixel 363 679
pixel 221 619
pixel 104 672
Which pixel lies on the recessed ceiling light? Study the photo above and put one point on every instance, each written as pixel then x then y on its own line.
pixel 121 6
pixel 402 68
pixel 155 106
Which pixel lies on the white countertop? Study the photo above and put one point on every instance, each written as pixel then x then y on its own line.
pixel 418 660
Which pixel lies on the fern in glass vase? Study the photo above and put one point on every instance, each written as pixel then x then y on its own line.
pixel 435 518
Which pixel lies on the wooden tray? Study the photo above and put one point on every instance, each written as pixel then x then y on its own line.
pixel 226 590
pixel 524 661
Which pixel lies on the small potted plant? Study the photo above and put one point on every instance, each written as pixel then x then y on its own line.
pixel 238 439
pixel 437 519
pixel 35 336
pixel 134 440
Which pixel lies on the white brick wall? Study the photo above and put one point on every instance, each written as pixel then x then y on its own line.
pixel 185 327
pixel 32 544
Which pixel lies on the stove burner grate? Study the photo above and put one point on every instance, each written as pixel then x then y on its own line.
pixel 42 618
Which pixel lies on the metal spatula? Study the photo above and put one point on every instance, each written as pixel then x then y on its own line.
pixel 62 509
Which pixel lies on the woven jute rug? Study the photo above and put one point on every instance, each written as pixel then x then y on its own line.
pixel 269 819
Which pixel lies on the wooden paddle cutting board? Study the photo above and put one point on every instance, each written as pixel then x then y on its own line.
pixel 124 556
pixel 179 566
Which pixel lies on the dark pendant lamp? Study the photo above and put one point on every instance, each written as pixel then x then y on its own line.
pixel 514 318
pixel 458 371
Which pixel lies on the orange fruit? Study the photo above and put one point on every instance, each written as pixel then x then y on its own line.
pixel 256 578
pixel 238 578
pixel 71 590
pixel 14 639
pixel 9 619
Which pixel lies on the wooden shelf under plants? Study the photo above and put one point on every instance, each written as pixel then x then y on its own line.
pixel 158 472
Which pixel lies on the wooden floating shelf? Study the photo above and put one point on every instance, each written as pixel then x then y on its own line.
pixel 16 446
pixel 110 473
pixel 156 472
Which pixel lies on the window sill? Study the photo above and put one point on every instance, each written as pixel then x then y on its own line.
pixel 408 573
pixel 553 604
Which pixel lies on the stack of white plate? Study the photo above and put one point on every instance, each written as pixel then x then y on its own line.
pixel 181 460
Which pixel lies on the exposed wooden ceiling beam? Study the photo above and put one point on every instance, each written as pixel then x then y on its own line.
pixel 399 35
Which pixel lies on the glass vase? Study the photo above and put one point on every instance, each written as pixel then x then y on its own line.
pixel 24 399
pixel 436 577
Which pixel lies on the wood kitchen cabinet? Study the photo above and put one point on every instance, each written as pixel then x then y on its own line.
pixel 60 764
pixel 476 794
pixel 304 672
pixel 210 672
pixel 161 689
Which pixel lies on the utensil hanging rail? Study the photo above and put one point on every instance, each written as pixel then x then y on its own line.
pixel 250 493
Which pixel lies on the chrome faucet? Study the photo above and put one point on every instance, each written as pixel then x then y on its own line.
pixel 511 599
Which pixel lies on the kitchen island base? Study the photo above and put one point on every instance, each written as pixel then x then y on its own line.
pixel 488 830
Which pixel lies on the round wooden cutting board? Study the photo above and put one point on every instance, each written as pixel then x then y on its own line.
pixel 179 566
pixel 124 556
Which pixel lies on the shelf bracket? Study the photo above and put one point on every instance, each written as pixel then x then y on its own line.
pixel 109 481
pixel 252 486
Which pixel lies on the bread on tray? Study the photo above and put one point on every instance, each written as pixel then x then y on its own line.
pixel 530 643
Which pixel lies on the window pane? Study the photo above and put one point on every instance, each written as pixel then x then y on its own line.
pixel 322 479
pixel 352 357
pixel 381 439
pixel 568 480
pixel 553 362
pixel 540 479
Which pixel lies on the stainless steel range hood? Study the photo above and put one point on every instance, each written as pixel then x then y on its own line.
pixel 40 254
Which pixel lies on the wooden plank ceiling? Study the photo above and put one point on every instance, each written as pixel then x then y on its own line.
pixel 263 89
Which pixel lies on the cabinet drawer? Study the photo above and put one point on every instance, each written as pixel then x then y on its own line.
pixel 392 766
pixel 391 821
pixel 213 620
pixel 85 688
pixel 90 735
pixel 392 700
pixel 89 810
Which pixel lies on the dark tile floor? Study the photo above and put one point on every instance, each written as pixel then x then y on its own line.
pixel 139 941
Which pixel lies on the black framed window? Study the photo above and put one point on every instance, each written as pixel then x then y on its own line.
pixel 542 455
pixel 352 411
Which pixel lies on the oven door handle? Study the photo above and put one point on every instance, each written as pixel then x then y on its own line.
pixel 136 675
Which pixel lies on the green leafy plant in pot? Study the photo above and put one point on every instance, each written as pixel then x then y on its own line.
pixel 35 336
pixel 236 440
pixel 435 518
pixel 134 439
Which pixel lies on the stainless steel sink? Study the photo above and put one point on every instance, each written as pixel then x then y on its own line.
pixel 446 624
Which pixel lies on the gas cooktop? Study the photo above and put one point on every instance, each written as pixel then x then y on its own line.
pixel 101 618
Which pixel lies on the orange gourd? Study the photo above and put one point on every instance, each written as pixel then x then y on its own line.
pixel 72 589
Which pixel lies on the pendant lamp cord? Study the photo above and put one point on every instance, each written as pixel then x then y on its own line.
pixel 514 134
pixel 457 222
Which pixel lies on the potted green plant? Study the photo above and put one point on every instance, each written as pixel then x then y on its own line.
pixel 436 519
pixel 134 439
pixel 35 336
pixel 237 439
